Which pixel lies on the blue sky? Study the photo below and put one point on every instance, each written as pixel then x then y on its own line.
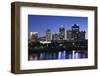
pixel 39 23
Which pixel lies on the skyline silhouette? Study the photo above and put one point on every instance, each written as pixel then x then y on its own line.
pixel 39 23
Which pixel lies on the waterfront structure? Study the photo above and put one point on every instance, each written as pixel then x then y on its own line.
pixel 33 36
pixel 62 33
pixel 48 35
pixel 45 42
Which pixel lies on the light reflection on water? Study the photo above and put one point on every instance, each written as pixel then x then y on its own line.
pixel 75 54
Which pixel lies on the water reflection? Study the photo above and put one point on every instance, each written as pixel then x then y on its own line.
pixel 74 54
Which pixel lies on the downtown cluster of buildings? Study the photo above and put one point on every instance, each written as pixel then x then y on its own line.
pixel 74 34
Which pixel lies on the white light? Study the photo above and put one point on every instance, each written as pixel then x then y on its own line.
pixel 62 25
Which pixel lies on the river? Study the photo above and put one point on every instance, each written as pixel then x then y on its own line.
pixel 74 54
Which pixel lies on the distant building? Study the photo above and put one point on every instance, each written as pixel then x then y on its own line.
pixel 33 36
pixel 75 33
pixel 55 37
pixel 82 35
pixel 69 34
pixel 62 33
pixel 75 28
pixel 42 38
pixel 48 35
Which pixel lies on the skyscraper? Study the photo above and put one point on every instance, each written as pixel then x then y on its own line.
pixel 62 33
pixel 48 35
pixel 75 28
pixel 82 35
pixel 55 37
pixel 69 35
pixel 75 32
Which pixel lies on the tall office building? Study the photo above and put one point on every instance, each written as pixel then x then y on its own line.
pixel 62 33
pixel 82 35
pixel 75 28
pixel 33 36
pixel 42 38
pixel 69 35
pixel 48 35
pixel 75 32
pixel 55 37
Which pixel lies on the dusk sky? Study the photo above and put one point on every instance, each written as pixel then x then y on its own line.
pixel 39 23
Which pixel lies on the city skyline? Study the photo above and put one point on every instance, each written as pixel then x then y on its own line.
pixel 39 23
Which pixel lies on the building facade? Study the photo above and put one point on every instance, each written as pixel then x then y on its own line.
pixel 33 36
pixel 55 37
pixel 69 35
pixel 48 35
pixel 62 33
pixel 75 33
pixel 82 35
